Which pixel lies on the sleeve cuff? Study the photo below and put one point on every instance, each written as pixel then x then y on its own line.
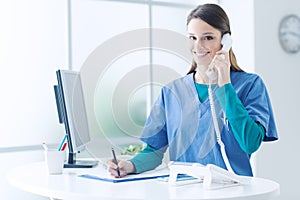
pixel 221 93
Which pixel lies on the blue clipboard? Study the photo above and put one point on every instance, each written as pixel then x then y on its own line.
pixel 119 180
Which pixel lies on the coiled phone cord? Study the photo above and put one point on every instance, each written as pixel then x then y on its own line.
pixel 217 129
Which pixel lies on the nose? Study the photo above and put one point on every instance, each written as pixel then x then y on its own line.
pixel 197 45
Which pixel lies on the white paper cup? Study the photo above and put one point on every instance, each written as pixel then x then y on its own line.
pixel 54 161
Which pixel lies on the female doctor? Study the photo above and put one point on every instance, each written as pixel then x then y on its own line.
pixel 181 118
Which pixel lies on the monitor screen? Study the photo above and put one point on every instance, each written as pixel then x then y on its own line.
pixel 72 112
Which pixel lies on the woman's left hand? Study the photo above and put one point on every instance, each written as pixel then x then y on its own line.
pixel 222 65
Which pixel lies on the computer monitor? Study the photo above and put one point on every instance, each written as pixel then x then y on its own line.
pixel 72 113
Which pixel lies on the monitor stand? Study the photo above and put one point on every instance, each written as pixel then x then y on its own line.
pixel 73 163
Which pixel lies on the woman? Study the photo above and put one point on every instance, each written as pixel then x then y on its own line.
pixel 181 118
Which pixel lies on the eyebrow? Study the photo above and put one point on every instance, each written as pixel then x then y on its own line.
pixel 206 33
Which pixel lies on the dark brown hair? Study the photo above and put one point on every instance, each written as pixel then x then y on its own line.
pixel 215 16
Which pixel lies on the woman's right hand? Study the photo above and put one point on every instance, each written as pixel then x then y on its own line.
pixel 125 167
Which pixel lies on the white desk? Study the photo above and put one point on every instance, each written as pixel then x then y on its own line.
pixel 33 178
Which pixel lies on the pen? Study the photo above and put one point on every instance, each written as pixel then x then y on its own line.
pixel 62 142
pixel 115 161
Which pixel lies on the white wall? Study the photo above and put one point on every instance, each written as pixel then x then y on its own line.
pixel 279 161
pixel 33 44
pixel 241 18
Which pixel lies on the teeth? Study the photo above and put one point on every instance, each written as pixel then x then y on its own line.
pixel 200 54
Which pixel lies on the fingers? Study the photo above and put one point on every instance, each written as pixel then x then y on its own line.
pixel 112 168
pixel 222 60
pixel 111 164
pixel 222 56
pixel 221 65
pixel 222 52
pixel 123 166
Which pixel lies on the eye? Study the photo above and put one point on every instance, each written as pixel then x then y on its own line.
pixel 191 37
pixel 208 38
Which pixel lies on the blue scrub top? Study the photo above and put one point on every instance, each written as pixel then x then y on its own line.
pixel 178 120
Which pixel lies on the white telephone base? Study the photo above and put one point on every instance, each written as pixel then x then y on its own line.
pixel 213 177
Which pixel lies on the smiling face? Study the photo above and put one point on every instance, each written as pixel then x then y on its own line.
pixel 204 40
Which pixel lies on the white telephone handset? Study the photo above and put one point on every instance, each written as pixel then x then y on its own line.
pixel 226 42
